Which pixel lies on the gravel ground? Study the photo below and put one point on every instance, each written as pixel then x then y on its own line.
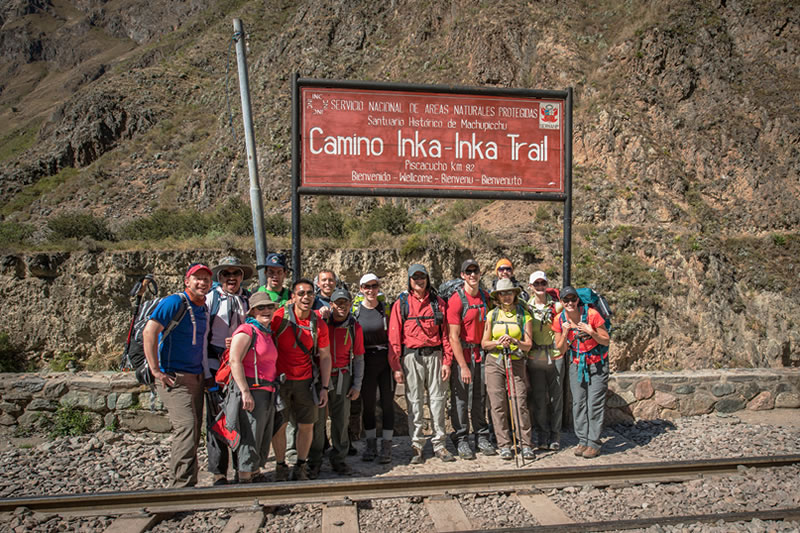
pixel 110 461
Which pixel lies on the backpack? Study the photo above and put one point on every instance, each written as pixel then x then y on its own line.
pixel 223 375
pixel 447 289
pixel 216 302
pixel 134 358
pixel 593 300
pixel 350 324
pixel 438 315
pixel 292 321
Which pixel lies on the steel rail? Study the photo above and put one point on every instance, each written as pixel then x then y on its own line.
pixel 786 514
pixel 192 499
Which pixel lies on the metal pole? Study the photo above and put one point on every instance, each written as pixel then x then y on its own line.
pixel 566 267
pixel 252 161
pixel 297 268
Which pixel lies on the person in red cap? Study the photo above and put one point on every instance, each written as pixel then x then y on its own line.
pixel 179 364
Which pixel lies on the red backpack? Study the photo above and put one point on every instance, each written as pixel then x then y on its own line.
pixel 223 375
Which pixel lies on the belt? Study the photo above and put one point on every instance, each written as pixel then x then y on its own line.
pixel 336 371
pixel 425 350
pixel 376 348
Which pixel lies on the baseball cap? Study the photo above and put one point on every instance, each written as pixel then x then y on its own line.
pixel 537 276
pixel 366 278
pixel 569 291
pixel 276 260
pixel 504 262
pixel 340 293
pixel 468 263
pixel 413 269
pixel 196 267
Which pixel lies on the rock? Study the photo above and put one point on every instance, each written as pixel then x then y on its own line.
pixel 646 410
pixel 684 389
pixel 787 400
pixel 731 404
pixel 7 420
pixel 94 401
pixel 620 399
pixel 699 403
pixel 617 416
pixel 10 407
pixel 140 419
pixel 761 402
pixel 644 389
pixel 665 399
pixel 40 404
pixel 54 389
pixel 722 389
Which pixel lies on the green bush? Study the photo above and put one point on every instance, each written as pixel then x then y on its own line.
pixel 12 233
pixel 71 421
pixel 77 225
pixel 324 222
pixel 391 219
pixel 11 359
pixel 233 217
pixel 164 223
pixel 276 225
pixel 65 361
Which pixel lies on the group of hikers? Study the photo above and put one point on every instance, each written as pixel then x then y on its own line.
pixel 287 359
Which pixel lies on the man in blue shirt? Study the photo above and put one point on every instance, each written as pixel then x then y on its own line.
pixel 179 364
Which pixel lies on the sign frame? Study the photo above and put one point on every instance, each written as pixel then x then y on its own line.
pixel 566 96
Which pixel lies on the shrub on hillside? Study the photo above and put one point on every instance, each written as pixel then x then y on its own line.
pixel 391 219
pixel 325 221
pixel 12 233
pixel 77 225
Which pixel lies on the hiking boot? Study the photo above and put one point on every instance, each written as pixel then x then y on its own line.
pixel 220 480
pixel 591 452
pixel 418 458
pixel 281 472
pixel 313 471
pixel 351 451
pixel 542 445
pixel 486 447
pixel 343 469
pixel 370 450
pixel 386 452
pixel 300 472
pixel 465 451
pixel 555 446
pixel 579 449
pixel 444 455
pixel 528 454
pixel 506 454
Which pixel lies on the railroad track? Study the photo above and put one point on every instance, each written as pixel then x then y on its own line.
pixel 138 510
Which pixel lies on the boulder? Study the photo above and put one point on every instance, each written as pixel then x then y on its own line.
pixel 666 400
pixel 762 402
pixel 731 404
pixel 787 400
pixel 700 403
pixel 644 389
pixel 722 389
pixel 646 410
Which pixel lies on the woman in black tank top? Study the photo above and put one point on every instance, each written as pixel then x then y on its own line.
pixel 371 313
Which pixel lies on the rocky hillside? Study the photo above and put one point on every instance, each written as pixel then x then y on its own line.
pixel 687 141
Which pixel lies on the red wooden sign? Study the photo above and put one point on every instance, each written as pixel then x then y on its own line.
pixel 412 140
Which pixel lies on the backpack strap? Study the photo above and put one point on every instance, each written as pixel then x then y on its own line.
pixel 178 316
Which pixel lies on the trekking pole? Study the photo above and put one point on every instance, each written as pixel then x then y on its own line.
pixel 511 405
pixel 138 290
pixel 515 407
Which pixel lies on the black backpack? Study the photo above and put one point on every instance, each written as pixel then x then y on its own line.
pixel 134 358
pixel 438 314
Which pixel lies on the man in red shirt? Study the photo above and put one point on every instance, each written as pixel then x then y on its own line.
pixel 303 347
pixel 466 314
pixel 580 330
pixel 420 356
pixel 347 373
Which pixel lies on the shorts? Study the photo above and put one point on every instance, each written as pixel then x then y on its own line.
pixel 299 406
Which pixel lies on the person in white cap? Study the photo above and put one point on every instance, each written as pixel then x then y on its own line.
pixel 545 366
pixel 373 316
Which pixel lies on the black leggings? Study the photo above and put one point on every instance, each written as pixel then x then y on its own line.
pixel 377 373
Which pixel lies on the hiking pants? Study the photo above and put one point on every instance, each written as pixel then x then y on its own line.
pixel 546 395
pixel 339 411
pixel 256 430
pixel 496 390
pixel 377 376
pixel 589 402
pixel 424 373
pixel 468 402
pixel 184 403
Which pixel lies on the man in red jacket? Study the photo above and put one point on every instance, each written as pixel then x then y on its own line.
pixel 420 355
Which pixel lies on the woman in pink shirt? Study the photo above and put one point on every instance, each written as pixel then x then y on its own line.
pixel 252 358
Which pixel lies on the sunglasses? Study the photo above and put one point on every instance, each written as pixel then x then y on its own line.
pixel 231 273
pixel 570 299
pixel 540 284
pixel 264 307
pixel 505 293
pixel 419 277
pixel 504 269
pixel 371 287
pixel 301 294
pixel 472 272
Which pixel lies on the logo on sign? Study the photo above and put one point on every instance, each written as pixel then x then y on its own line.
pixel 549 116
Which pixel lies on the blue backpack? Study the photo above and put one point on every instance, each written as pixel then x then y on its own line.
pixel 592 299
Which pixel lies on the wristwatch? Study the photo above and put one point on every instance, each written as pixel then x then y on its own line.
pixel 326 387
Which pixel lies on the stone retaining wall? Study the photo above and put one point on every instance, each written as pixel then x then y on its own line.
pixel 116 399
